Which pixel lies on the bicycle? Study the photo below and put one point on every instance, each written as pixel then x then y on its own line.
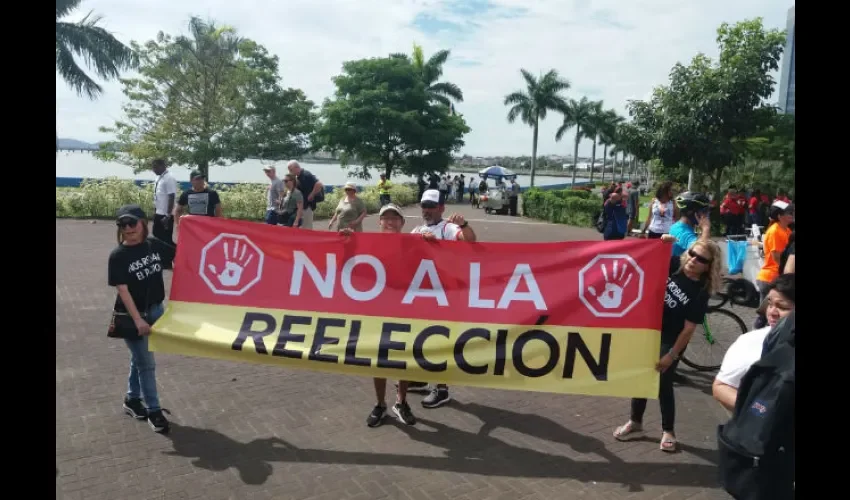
pixel 708 356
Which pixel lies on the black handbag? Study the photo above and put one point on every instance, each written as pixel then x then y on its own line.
pixel 122 325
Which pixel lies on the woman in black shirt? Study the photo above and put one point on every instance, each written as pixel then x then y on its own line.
pixel 685 304
pixel 135 270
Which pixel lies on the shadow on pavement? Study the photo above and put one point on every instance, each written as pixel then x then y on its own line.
pixel 465 453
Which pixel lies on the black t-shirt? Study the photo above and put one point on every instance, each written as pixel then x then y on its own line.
pixel 140 268
pixel 783 258
pixel 306 183
pixel 200 202
pixel 684 300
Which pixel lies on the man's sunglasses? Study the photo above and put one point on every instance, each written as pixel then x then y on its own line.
pixel 699 258
pixel 124 223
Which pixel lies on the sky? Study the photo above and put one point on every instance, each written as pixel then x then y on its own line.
pixel 609 50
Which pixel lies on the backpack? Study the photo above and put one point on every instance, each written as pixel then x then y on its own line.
pixel 756 446
pixel 601 221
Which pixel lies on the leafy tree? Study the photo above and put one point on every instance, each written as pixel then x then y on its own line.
pixel 101 51
pixel 532 104
pixel 576 114
pixel 383 113
pixel 698 119
pixel 209 98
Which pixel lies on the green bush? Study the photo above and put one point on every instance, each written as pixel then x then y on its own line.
pixel 101 198
pixel 576 208
pixel 572 193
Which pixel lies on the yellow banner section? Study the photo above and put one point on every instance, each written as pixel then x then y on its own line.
pixel 567 360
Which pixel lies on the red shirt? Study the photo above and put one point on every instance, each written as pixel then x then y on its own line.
pixel 733 205
pixel 754 205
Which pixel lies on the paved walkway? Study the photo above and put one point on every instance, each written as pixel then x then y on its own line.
pixel 251 432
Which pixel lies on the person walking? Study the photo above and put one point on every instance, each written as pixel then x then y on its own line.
pixel 662 212
pixel 200 200
pixel 616 217
pixel 312 190
pixel 164 196
pixel 350 211
pixel 292 208
pixel 135 270
pixel 384 187
pixel 274 196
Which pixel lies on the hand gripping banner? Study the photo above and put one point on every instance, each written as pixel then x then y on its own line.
pixel 568 317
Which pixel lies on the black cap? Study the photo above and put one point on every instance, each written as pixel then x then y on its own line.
pixel 195 173
pixel 130 212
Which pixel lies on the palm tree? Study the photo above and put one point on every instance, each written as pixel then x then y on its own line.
pixel 102 52
pixel 576 114
pixel 532 104
pixel 432 70
pixel 608 136
pixel 595 123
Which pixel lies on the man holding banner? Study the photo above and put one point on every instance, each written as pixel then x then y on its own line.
pixel 390 220
pixel 437 228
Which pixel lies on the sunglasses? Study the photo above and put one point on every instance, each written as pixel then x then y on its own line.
pixel 699 258
pixel 125 223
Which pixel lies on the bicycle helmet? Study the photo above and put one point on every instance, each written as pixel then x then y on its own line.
pixel 692 202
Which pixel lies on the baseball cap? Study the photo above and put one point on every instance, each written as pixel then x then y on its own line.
pixel 390 207
pixel 268 168
pixel 350 185
pixel 134 212
pixel 196 173
pixel 430 198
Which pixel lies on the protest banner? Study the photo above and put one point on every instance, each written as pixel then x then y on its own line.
pixel 566 317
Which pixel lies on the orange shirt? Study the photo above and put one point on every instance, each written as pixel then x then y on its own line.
pixel 775 240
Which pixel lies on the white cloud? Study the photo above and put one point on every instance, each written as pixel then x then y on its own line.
pixel 609 49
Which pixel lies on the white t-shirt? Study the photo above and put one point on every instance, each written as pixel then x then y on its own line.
pixel 741 355
pixel 164 186
pixel 443 230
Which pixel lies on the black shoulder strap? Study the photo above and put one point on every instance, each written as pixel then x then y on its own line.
pixel 148 286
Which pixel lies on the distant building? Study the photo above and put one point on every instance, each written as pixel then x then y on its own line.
pixel 787 91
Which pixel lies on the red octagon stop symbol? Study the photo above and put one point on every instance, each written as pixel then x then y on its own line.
pixel 231 264
pixel 610 285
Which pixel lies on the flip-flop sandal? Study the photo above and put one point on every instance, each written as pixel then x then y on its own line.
pixel 668 443
pixel 627 432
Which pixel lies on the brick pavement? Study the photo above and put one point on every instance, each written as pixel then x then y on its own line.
pixel 252 432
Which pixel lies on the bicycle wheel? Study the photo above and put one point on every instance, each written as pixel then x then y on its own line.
pixel 719 299
pixel 712 338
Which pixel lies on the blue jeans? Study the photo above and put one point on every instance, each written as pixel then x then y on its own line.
pixel 271 217
pixel 141 383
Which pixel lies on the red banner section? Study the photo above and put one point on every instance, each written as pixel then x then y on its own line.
pixel 613 284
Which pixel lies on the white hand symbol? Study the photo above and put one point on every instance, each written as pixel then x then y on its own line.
pixel 232 272
pixel 612 295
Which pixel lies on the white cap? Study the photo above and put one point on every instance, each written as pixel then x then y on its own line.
pixel 781 205
pixel 390 207
pixel 431 195
pixel 269 168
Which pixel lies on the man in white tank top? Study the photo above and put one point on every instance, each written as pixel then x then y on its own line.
pixel 435 227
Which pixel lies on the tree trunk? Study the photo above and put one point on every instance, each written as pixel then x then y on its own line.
pixel 623 167
pixel 204 167
pixel 575 156
pixel 534 151
pixel 716 178
pixel 604 159
pixel 593 160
